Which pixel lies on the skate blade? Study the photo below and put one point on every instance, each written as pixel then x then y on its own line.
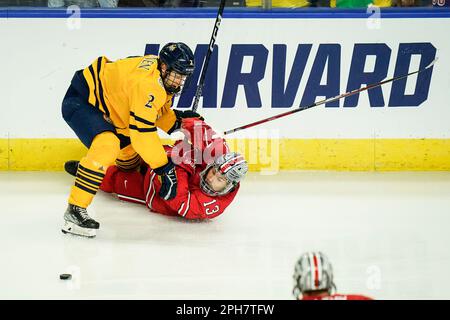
pixel 72 228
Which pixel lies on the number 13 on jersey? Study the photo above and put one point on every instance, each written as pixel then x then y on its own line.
pixel 210 207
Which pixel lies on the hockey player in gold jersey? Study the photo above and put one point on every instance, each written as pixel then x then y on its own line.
pixel 115 109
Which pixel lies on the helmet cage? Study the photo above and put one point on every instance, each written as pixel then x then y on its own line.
pixel 207 188
pixel 172 77
pixel 232 166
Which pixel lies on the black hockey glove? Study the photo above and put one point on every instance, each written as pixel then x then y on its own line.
pixel 187 114
pixel 168 180
pixel 183 115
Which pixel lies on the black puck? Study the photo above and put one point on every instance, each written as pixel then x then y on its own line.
pixel 65 276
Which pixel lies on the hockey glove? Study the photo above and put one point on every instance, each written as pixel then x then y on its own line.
pixel 180 115
pixel 187 114
pixel 168 180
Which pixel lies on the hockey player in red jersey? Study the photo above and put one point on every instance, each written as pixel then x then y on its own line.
pixel 313 279
pixel 208 176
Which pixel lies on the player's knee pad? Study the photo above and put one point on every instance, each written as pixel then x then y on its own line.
pixel 104 148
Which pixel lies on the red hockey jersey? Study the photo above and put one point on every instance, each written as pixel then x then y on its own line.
pixel 191 158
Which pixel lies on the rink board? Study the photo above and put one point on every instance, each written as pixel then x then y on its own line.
pixel 267 156
pixel 303 57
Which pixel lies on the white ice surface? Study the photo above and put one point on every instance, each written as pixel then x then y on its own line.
pixel 387 235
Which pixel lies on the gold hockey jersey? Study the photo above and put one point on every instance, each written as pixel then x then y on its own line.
pixel 131 94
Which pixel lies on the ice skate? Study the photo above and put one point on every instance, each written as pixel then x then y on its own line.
pixel 78 222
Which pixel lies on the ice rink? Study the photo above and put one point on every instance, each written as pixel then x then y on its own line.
pixel 386 234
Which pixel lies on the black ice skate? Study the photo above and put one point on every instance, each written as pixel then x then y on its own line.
pixel 78 222
pixel 71 167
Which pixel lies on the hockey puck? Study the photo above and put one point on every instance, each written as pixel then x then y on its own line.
pixel 65 276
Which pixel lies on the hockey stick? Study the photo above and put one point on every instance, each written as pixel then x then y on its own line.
pixel 347 94
pixel 198 93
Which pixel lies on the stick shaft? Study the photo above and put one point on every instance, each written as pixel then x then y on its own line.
pixel 212 41
pixel 344 95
